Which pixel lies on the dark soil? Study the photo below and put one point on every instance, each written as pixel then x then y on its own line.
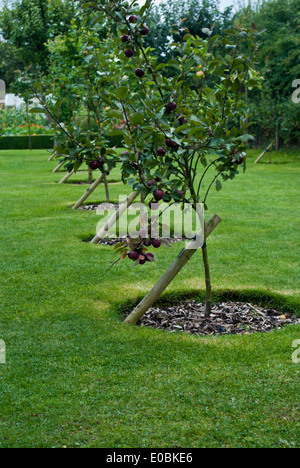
pixel 229 318
pixel 94 206
pixel 117 240
pixel 77 182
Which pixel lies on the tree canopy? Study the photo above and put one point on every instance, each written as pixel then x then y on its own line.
pixel 26 26
pixel 29 29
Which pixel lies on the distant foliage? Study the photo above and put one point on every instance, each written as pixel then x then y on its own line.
pixel 278 60
pixel 14 122
pixel 197 15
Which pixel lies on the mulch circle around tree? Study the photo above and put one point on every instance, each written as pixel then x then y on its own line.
pixel 76 182
pixel 94 207
pixel 227 318
pixel 115 241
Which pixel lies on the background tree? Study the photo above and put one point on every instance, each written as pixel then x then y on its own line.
pixel 278 60
pixel 27 25
pixel 74 80
pixel 9 63
pixel 198 15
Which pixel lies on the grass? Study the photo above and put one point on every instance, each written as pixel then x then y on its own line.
pixel 77 377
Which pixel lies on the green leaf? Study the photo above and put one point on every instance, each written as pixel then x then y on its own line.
pixel 122 92
pixel 136 118
pixel 116 132
pixel 245 138
pixel 236 86
pixel 115 113
pixel 210 96
pixel 37 110
pixel 218 186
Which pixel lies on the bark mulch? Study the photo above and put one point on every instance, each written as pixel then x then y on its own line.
pixel 117 240
pixel 94 206
pixel 227 318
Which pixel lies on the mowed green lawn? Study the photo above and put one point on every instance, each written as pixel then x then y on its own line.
pixel 76 376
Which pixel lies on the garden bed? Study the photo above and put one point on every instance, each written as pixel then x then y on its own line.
pixel 227 318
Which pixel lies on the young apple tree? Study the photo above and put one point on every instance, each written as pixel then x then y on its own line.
pixel 184 130
pixel 74 86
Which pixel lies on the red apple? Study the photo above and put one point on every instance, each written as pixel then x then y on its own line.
pixel 133 19
pixel 133 255
pixel 161 151
pixel 139 73
pixel 94 165
pixel 149 256
pixel 171 106
pixel 143 259
pixel 156 243
pixel 159 195
pixel 129 53
pixel 170 143
pixel 145 31
pixel 182 120
pixel 126 38
pixel 147 242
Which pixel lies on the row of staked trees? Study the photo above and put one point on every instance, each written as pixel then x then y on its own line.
pixel 182 120
pixel 181 106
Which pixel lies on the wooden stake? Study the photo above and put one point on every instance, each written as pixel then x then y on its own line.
pixel 114 218
pixel 106 189
pixel 51 157
pixel 58 167
pixel 89 191
pixel 66 177
pixel 170 274
pixel 264 152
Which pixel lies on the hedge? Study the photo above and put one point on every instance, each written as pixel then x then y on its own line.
pixel 11 142
pixel 22 142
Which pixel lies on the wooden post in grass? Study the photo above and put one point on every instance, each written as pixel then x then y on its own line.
pixel 58 167
pixel 66 177
pixel 107 197
pixel 114 218
pixel 70 174
pixel 264 152
pixel 89 191
pixel 170 274
pixel 52 157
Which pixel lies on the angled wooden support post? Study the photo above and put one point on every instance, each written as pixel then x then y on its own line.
pixel 52 157
pixel 170 274
pixel 114 218
pixel 66 177
pixel 58 167
pixel 264 152
pixel 89 191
